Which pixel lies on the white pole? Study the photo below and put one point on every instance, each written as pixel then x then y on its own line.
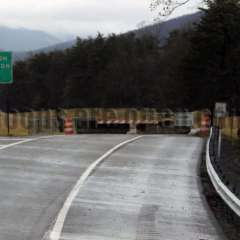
pixel 219 144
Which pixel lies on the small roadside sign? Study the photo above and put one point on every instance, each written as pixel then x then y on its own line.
pixel 6 68
pixel 183 119
pixel 220 109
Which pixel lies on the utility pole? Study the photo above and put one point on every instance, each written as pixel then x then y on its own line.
pixel 7 110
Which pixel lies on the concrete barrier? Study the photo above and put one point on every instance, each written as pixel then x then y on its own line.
pixel 48 122
pixel 230 126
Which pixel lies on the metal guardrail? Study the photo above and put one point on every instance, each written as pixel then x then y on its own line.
pixel 229 198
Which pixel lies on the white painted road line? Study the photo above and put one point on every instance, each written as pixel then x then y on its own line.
pixel 11 139
pixel 16 143
pixel 21 141
pixel 58 226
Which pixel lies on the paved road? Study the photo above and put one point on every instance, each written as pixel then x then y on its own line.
pixel 149 190
pixel 36 177
pixel 145 191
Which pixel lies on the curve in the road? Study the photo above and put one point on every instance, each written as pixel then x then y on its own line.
pixel 58 226
pixel 36 176
pixel 148 190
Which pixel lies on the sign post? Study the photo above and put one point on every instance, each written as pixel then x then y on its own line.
pixel 6 77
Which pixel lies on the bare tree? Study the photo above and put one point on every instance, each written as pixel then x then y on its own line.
pixel 167 7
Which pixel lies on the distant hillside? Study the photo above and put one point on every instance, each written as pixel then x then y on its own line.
pixel 161 30
pixel 21 39
pixel 17 56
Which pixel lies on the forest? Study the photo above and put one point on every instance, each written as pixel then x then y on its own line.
pixel 197 66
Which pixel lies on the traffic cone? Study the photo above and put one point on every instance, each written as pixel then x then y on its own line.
pixel 205 125
pixel 68 126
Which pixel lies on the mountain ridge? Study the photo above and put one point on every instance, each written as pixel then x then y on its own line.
pixel 22 39
pixel 159 30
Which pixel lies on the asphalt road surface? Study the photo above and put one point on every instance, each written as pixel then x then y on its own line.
pixel 147 190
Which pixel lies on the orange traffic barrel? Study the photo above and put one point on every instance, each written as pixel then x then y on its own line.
pixel 68 126
pixel 205 124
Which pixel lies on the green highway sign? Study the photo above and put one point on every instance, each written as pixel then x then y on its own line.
pixel 6 68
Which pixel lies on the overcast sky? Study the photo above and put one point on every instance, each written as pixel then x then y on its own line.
pixel 80 17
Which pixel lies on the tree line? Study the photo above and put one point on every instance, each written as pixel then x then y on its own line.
pixel 198 66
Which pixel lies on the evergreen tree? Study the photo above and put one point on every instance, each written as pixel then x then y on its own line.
pixel 210 70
